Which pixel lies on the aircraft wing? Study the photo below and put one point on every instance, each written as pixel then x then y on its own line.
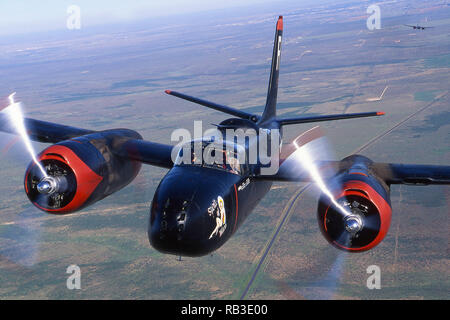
pixel 394 173
pixel 391 173
pixel 42 131
pixel 155 154
pixel 139 150
pixel 306 166
pixel 417 27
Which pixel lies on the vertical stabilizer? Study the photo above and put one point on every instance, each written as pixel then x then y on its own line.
pixel 271 102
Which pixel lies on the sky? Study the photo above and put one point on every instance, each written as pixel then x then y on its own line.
pixel 24 16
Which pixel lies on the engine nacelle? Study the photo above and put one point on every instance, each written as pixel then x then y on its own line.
pixel 81 171
pixel 358 217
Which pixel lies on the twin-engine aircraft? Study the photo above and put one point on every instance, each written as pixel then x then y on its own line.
pixel 199 205
pixel 417 27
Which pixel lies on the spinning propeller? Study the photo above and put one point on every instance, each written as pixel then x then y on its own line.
pixel 347 215
pixel 14 113
pixel 344 218
pixel 20 237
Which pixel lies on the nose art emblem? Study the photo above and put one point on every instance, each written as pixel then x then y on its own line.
pixel 217 211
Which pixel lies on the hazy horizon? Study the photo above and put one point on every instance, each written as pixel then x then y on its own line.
pixel 21 17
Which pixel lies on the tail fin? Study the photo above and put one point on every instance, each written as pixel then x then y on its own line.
pixel 270 111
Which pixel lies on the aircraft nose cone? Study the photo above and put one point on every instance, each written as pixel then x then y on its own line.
pixel 171 224
pixel 188 218
pixel 177 227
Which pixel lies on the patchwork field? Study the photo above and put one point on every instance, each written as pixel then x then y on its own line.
pixel 115 76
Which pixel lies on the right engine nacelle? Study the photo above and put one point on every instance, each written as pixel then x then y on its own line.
pixel 76 173
pixel 359 215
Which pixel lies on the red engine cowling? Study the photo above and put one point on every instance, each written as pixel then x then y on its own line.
pixel 358 217
pixel 78 172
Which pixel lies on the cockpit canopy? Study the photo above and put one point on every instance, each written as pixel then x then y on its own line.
pixel 215 154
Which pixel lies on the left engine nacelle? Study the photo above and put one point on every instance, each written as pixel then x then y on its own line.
pixel 358 217
pixel 81 171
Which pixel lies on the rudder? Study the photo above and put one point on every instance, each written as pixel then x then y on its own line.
pixel 271 101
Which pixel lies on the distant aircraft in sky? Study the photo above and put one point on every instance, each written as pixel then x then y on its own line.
pixel 200 204
pixel 417 27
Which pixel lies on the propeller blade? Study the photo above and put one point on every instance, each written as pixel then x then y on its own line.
pixel 308 153
pixel 20 237
pixel 15 115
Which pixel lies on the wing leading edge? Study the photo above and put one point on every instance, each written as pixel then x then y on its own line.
pixel 394 173
pixel 391 173
pixel 43 131
pixel 47 132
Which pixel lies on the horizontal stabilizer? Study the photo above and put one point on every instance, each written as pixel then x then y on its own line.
pixel 215 106
pixel 332 117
